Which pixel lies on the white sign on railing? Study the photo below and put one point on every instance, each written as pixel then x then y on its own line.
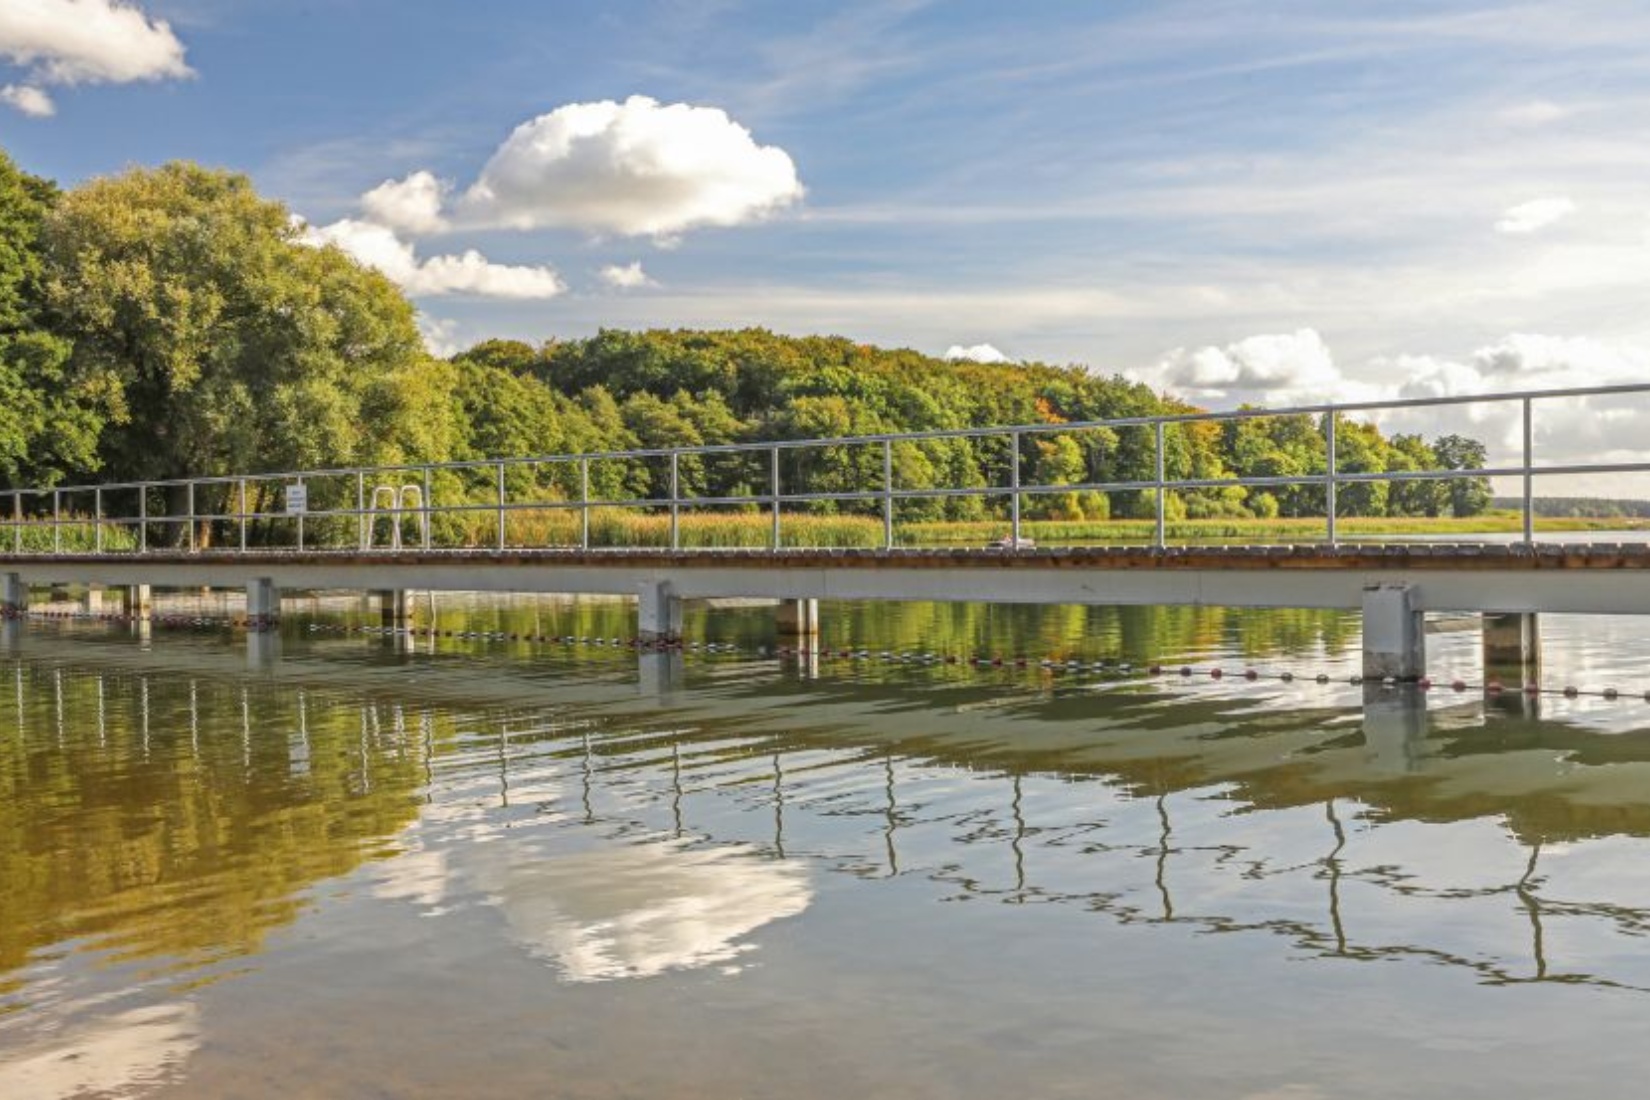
pixel 297 499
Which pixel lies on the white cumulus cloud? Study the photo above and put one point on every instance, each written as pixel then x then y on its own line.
pixel 626 277
pixel 1567 429
pixel 637 168
pixel 89 41
pixel 1528 217
pixel 412 204
pixel 469 273
pixel 30 100
pixel 977 353
pixel 1277 369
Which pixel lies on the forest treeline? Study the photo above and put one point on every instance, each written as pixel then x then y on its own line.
pixel 169 322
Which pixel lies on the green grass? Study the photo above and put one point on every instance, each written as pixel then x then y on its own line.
pixel 75 535
pixel 1306 529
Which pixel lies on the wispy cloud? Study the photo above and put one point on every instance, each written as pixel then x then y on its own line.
pixel 1537 214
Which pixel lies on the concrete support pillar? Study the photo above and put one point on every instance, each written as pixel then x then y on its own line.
pixel 140 601
pixel 1394 638
pixel 394 606
pixel 14 595
pixel 658 613
pixel 797 619
pixel 263 604
pixel 92 602
pixel 1512 647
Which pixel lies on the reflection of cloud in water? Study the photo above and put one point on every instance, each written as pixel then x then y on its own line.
pixel 117 1054
pixel 417 874
pixel 638 911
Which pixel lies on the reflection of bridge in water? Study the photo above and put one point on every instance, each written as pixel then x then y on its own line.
pixel 1213 814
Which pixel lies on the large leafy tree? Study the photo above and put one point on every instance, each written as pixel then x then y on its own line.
pixel 49 427
pixel 1468 496
pixel 223 343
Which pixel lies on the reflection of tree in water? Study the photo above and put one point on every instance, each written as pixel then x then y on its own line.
pixel 136 816
pixel 1139 634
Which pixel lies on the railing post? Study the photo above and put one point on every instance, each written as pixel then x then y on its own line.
pixel 675 500
pixel 1529 492
pixel 97 519
pixel 887 494
pixel 1162 493
pixel 17 522
pixel 584 503
pixel 143 518
pixel 1331 463
pixel 773 484
pixel 501 506
pixel 189 523
pixel 361 509
pixel 1014 490
pixel 57 521
pixel 424 506
pixel 301 516
pixel 242 510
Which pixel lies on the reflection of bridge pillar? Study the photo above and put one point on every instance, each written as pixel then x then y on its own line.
pixel 797 619
pixel 1515 704
pixel 14 594
pixel 658 612
pixel 659 674
pixel 1394 638
pixel 394 605
pixel 1512 647
pixel 11 635
pixel 140 601
pixel 263 648
pixel 1395 727
pixel 263 604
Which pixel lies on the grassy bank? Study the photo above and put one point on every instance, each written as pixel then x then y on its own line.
pixel 1059 532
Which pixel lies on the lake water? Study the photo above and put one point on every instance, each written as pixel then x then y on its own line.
pixel 476 867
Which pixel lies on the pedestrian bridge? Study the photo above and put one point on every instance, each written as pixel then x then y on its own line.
pixel 536 524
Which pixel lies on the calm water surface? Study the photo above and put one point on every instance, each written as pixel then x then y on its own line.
pixel 475 868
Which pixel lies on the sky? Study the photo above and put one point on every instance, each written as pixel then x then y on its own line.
pixel 1233 200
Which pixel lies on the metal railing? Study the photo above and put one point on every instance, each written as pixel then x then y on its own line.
pixel 449 505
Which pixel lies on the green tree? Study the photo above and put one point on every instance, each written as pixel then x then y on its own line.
pixel 223 344
pixel 1468 496
pixel 51 423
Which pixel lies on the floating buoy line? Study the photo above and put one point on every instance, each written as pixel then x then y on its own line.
pixel 1056 665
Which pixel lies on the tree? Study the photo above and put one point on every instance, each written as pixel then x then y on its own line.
pixel 222 343
pixel 1468 496
pixel 50 426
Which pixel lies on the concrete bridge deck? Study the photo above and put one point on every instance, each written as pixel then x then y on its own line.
pixel 1473 577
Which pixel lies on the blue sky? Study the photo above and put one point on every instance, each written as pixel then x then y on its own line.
pixel 1237 200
